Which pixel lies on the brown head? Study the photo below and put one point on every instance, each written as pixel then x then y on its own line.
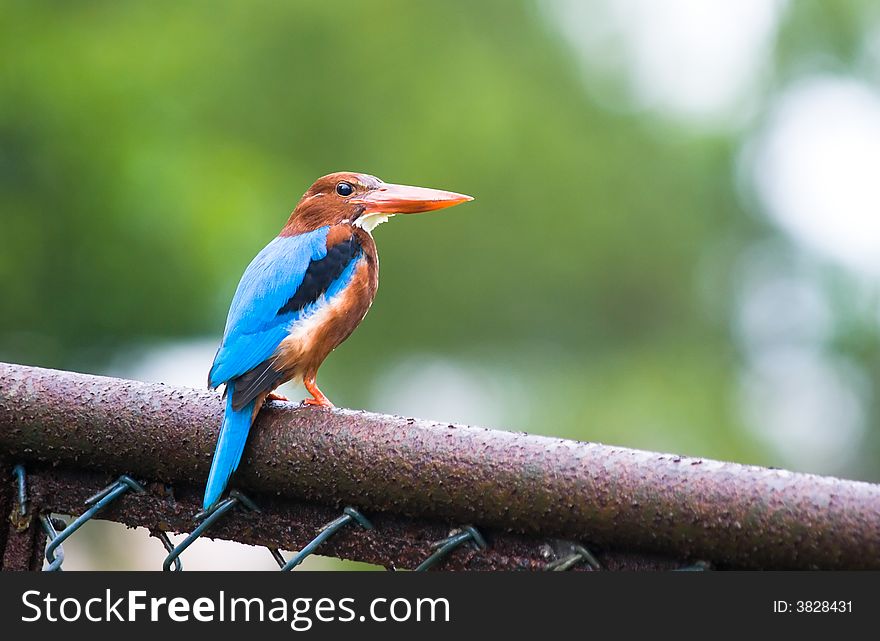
pixel 363 201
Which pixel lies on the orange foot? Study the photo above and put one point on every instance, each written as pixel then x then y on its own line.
pixel 274 396
pixel 318 400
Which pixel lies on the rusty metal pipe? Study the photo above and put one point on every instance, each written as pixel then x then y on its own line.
pixel 616 498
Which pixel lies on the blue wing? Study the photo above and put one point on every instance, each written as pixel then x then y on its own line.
pixel 254 327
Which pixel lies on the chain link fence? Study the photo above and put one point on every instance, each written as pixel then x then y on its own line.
pixel 396 491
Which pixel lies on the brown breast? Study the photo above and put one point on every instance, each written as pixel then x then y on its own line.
pixel 312 339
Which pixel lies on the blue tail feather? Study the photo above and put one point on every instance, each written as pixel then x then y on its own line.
pixel 230 446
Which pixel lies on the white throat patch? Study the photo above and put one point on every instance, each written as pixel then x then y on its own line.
pixel 369 222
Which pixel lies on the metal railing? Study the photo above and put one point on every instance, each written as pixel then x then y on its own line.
pixel 439 495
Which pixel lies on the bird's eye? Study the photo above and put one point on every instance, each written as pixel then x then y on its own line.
pixel 344 189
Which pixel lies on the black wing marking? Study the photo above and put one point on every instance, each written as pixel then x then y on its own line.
pixel 319 275
pixel 264 377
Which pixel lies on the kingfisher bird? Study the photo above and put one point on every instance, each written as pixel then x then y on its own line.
pixel 302 296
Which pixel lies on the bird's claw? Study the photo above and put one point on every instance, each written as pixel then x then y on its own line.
pixel 274 396
pixel 314 402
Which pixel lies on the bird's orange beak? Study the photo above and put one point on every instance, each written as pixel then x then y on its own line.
pixel 403 199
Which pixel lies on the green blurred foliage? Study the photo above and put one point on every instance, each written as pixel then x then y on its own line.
pixel 149 150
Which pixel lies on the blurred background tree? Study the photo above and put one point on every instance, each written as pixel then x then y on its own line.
pixel 675 243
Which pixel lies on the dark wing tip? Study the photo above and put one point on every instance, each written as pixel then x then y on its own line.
pixel 262 378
